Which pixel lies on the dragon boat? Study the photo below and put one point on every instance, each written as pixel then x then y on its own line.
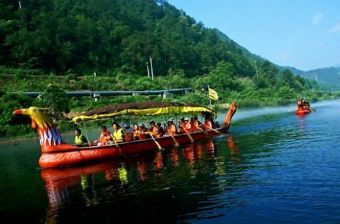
pixel 56 153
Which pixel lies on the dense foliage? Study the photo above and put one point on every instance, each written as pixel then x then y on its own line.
pixel 64 43
pixel 82 36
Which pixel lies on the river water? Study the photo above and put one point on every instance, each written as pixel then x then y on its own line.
pixel 273 167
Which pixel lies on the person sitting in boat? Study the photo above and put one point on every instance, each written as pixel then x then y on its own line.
pixel 195 124
pixel 128 135
pixel 306 105
pixel 79 139
pixel 142 128
pixel 153 130
pixel 185 126
pixel 171 128
pixel 299 103
pixel 143 131
pixel 104 138
pixel 208 122
pixel 161 131
pixel 136 132
pixel 118 133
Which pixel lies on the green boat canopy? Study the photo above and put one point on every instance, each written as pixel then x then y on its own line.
pixel 142 109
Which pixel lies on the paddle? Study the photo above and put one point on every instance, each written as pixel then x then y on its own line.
pixel 175 141
pixel 157 143
pixel 189 136
pixel 187 133
pixel 214 130
pixel 176 144
pixel 113 138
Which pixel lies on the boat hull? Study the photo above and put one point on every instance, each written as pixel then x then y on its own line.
pixel 69 155
pixel 302 112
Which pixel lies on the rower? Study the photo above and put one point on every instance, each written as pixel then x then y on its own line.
pixel 195 124
pixel 171 128
pixel 136 132
pixel 161 131
pixel 104 138
pixel 118 133
pixel 79 139
pixel 153 130
pixel 299 103
pixel 208 124
pixel 185 126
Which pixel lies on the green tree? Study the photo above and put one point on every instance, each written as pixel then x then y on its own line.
pixel 54 98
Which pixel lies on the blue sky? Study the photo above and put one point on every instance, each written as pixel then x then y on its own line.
pixel 301 33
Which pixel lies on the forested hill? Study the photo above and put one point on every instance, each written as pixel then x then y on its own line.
pixel 327 76
pixel 81 36
pixel 63 42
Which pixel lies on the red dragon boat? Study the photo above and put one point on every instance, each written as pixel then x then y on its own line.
pixel 56 153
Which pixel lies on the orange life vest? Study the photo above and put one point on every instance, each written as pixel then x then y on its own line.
pixel 207 124
pixel 195 126
pixel 136 134
pixel 185 127
pixel 105 137
pixel 154 131
pixel 171 130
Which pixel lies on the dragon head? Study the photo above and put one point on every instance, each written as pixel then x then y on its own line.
pixel 39 118
pixel 48 133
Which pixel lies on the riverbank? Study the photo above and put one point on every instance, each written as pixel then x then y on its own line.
pixel 242 89
pixel 66 127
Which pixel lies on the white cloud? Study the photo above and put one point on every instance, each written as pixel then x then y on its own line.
pixel 335 28
pixel 317 18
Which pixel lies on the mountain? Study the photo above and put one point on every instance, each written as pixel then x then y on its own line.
pixel 294 70
pixel 79 36
pixel 327 76
pixel 114 37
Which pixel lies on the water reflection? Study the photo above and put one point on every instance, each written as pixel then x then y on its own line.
pixel 233 148
pixel 104 183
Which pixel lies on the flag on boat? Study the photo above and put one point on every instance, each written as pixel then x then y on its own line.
pixel 212 94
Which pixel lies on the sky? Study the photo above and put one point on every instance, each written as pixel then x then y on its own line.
pixel 304 34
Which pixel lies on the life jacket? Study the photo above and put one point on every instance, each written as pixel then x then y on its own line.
pixel 154 131
pixel 78 140
pixel 118 135
pixel 141 133
pixel 171 130
pixel 207 124
pixel 105 137
pixel 136 134
pixel 195 126
pixel 185 127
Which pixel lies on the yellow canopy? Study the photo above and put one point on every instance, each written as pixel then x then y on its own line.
pixel 142 109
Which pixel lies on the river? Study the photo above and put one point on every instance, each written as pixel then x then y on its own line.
pixel 273 167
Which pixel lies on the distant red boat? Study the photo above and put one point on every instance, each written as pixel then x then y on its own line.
pixel 303 112
pixel 303 107
pixel 56 153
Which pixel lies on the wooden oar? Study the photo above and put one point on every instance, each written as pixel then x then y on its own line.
pixel 189 136
pixel 176 144
pixel 175 141
pixel 212 129
pixel 113 138
pixel 157 143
